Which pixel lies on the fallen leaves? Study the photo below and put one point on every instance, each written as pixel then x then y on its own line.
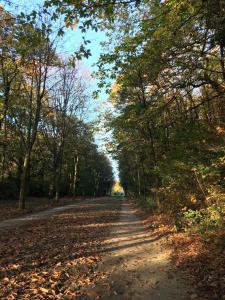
pixel 93 295
pixel 56 258
pixel 203 259
pixel 9 209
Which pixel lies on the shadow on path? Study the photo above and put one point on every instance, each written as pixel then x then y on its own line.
pixel 136 264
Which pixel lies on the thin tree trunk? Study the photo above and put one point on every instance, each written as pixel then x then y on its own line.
pixel 76 160
pixel 58 175
pixel 71 184
pixel 4 150
pixel 4 129
pixel 200 184
pixel 57 186
pixel 139 184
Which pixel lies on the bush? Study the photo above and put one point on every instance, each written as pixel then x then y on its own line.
pixel 147 203
pixel 204 220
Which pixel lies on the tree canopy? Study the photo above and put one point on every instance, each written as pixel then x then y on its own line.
pixel 166 61
pixel 168 67
pixel 46 147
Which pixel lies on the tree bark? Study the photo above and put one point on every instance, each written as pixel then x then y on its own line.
pixel 57 186
pixel 23 185
pixel 76 160
pixel 139 184
pixel 3 127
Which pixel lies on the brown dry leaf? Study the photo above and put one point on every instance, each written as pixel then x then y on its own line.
pixel 44 290
pixel 93 295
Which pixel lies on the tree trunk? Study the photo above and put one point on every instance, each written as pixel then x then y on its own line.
pixel 51 190
pixel 4 129
pixel 139 184
pixel 57 186
pixel 23 184
pixel 76 160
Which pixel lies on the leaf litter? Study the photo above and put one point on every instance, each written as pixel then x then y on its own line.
pixel 56 258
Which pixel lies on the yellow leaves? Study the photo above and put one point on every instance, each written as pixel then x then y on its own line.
pixel 38 279
pixel 44 290
pixel 117 188
pixel 116 88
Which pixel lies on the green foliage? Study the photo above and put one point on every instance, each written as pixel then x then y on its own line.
pixel 147 203
pixel 168 131
pixel 204 220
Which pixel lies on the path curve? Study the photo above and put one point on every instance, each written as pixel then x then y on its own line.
pixel 44 214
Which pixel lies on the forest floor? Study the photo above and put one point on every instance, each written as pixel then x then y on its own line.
pixel 55 257
pixel 94 250
pixel 40 214
pixel 9 209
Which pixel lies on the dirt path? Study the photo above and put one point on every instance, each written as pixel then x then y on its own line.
pixel 15 222
pixel 136 265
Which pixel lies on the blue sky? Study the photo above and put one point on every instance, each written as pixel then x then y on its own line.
pixel 69 44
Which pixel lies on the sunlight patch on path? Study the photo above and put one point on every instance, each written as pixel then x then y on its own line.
pixel 136 264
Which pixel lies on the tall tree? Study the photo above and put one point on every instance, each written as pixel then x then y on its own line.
pixel 67 99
